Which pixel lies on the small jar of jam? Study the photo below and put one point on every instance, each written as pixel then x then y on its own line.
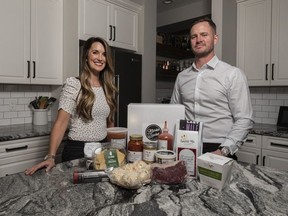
pixel 135 148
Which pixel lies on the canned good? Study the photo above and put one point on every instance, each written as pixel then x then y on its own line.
pixel 165 156
pixel 149 150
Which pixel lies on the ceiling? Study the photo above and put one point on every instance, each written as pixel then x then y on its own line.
pixel 161 7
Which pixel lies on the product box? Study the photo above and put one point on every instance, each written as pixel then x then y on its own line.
pixel 215 170
pixel 148 119
pixel 188 144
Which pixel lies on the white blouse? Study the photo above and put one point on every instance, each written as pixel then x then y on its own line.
pixel 94 130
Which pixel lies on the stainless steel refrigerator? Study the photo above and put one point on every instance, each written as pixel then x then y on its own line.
pixel 128 74
pixel 128 67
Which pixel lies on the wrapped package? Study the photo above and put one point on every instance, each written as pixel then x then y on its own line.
pixel 132 175
pixel 169 173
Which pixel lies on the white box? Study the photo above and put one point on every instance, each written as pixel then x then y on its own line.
pixel 148 119
pixel 214 170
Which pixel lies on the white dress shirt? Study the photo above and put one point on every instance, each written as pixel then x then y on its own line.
pixel 217 95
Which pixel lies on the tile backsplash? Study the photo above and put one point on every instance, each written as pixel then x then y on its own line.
pixel 14 102
pixel 265 100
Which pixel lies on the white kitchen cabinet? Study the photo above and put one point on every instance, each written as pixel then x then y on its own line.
pixel 113 21
pixel 18 155
pixel 31 43
pixel 275 152
pixel 250 151
pixel 262 30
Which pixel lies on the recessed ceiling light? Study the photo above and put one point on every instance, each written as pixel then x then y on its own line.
pixel 167 1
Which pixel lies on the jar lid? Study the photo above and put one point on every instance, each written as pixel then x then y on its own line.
pixel 136 137
pixel 165 154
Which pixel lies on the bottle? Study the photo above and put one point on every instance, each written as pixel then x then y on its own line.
pixel 165 139
pixel 135 148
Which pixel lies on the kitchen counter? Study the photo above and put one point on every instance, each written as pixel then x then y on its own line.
pixel 253 190
pixel 21 131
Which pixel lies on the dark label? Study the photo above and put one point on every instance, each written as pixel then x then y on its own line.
pixel 111 158
pixel 152 132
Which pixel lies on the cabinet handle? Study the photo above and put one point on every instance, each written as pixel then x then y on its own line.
pixel 266 72
pixel 278 145
pixel 257 160
pixel 114 33
pixel 28 74
pixel 16 149
pixel 249 140
pixel 273 71
pixel 110 36
pixel 263 161
pixel 34 69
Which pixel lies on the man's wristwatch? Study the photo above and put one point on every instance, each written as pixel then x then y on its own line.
pixel 225 151
pixel 49 156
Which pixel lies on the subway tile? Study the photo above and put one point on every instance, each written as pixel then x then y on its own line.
pixel 270 108
pixel 4 122
pixel 262 102
pixel 17 121
pixel 276 102
pixel 262 114
pixel 269 121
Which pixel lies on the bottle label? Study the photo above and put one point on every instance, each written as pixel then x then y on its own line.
pixel 162 144
pixel 134 156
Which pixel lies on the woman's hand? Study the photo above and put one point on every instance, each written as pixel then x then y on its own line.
pixel 49 164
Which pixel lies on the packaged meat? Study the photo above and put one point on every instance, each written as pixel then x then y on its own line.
pixel 169 173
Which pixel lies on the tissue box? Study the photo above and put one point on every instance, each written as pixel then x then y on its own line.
pixel 214 170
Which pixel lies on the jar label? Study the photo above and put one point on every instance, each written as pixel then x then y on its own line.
pixel 149 155
pixel 134 156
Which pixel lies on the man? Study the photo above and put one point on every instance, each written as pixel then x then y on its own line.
pixel 215 93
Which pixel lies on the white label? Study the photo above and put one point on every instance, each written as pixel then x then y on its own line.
pixel 149 155
pixel 134 156
pixel 189 156
pixel 162 144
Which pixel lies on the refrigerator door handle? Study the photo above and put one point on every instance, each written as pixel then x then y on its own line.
pixel 117 81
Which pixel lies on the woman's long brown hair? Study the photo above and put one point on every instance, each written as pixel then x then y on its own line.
pixel 106 78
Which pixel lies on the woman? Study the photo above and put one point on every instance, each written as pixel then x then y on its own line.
pixel 88 101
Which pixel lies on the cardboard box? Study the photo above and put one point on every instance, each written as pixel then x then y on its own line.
pixel 188 145
pixel 148 119
pixel 214 170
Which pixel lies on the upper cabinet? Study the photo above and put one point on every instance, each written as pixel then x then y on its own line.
pixel 261 41
pixel 31 41
pixel 115 22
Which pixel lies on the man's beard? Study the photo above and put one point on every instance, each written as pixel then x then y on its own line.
pixel 204 53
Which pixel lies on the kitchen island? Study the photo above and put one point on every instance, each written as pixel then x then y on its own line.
pixel 253 190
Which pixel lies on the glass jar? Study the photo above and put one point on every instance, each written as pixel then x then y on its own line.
pixel 149 150
pixel 135 148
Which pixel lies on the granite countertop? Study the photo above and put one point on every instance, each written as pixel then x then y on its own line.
pixel 21 131
pixel 253 190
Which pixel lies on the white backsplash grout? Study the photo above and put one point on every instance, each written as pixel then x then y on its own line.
pixel 14 102
pixel 265 101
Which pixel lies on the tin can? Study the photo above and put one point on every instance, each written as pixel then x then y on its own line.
pixel 89 176
pixel 149 150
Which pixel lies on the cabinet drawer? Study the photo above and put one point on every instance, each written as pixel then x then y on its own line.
pixel 23 146
pixel 275 144
pixel 253 141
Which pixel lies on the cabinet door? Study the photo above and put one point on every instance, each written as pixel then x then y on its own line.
pixel 249 155
pixel 253 40
pixel 279 42
pixel 94 19
pixel 15 41
pixel 275 159
pixel 275 143
pixel 46 41
pixel 124 24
